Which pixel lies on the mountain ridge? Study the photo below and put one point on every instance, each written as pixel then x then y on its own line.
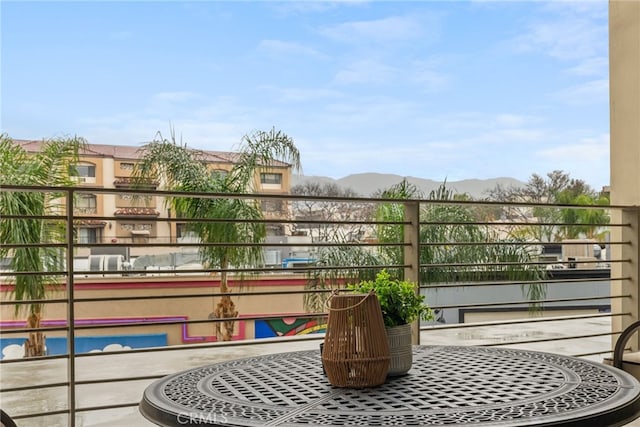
pixel 365 184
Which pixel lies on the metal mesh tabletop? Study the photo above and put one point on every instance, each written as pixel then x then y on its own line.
pixel 447 385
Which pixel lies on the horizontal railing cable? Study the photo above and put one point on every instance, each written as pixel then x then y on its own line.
pixel 460 275
pixel 520 282
pixel 521 224
pixel 528 302
pixel 46 414
pixel 552 339
pixel 521 321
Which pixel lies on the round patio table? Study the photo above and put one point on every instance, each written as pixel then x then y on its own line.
pixel 447 385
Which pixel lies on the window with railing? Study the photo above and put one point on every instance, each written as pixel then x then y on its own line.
pixel 86 203
pixel 132 200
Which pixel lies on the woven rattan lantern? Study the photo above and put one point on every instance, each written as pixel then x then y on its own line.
pixel 355 352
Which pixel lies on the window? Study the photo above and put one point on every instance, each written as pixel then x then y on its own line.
pixel 139 227
pixel 86 201
pixel 271 178
pixel 85 204
pixel 88 235
pixel 275 230
pixel 85 173
pixel 184 234
pixel 181 230
pixel 86 170
pixel 220 173
pixel 272 206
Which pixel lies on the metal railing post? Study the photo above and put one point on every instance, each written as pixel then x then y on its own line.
pixel 412 255
pixel 630 271
pixel 71 345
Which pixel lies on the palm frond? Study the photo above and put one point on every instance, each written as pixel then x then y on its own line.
pixel 262 150
pixel 53 165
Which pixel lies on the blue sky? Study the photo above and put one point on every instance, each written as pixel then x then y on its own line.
pixel 441 90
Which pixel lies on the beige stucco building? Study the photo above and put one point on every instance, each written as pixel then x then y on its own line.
pixel 145 219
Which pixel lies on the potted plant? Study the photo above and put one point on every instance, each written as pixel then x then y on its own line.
pixel 400 305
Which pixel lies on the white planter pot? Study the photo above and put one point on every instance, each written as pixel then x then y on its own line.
pixel 399 338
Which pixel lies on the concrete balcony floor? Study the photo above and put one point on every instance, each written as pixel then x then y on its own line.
pixel 162 363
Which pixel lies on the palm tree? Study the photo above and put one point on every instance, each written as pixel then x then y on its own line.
pixel 185 170
pixel 587 223
pixel 53 165
pixel 488 251
pixel 489 256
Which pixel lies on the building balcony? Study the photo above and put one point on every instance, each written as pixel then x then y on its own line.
pixel 86 211
pixel 136 212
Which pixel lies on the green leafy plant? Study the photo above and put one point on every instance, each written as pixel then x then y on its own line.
pixel 399 301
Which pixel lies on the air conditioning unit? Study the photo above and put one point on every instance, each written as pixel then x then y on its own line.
pixel 272 257
pixel 106 263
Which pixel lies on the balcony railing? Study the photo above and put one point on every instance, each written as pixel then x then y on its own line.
pixel 153 296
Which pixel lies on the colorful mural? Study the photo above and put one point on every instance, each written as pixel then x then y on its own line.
pixel 12 348
pixel 187 338
pixel 288 326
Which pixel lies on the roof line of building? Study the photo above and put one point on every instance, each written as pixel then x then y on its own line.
pixel 128 152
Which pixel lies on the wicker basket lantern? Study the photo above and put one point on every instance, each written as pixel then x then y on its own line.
pixel 355 352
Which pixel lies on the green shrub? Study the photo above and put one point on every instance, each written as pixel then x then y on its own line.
pixel 398 299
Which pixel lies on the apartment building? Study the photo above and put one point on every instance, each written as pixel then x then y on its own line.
pixel 144 219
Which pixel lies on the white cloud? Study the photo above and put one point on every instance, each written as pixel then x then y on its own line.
pixel 591 92
pixel 584 159
pixel 595 66
pixel 398 139
pixel 457 146
pixel 175 96
pixel 298 7
pixel 279 47
pixel 394 28
pixel 214 124
pixel 565 39
pixel 302 94
pixel 13 351
pixel 586 150
pixel 567 30
pixel 477 124
pixel 365 71
pixel 425 74
pixel 111 347
pixel 137 130
pixel 593 9
pixel 510 119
